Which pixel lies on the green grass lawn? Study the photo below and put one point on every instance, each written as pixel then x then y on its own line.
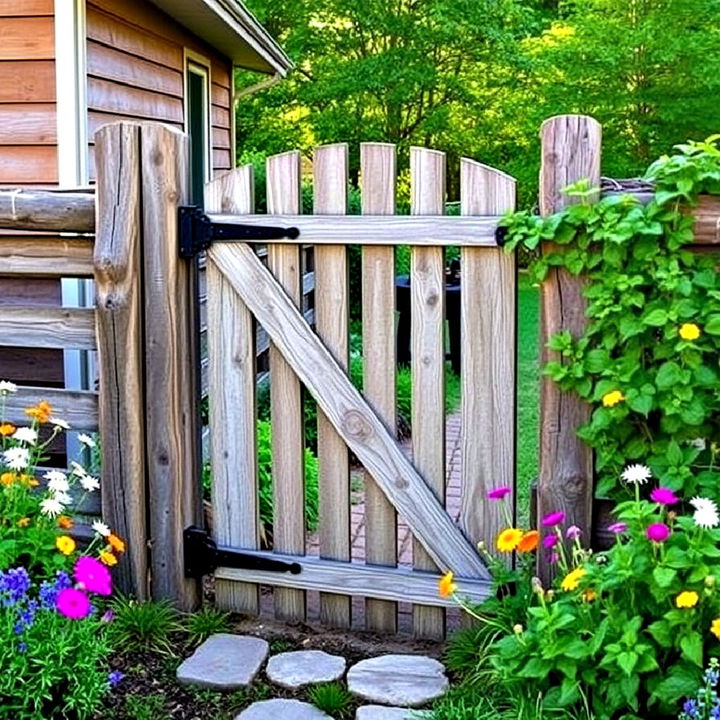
pixel 528 391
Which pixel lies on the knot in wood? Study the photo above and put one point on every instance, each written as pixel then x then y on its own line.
pixel 157 158
pixel 401 483
pixel 432 299
pixel 356 425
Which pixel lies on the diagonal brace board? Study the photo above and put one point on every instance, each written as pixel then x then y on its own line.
pixel 342 403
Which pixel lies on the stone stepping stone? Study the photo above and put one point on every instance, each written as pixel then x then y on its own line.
pixel 399 680
pixel 292 670
pixel 382 712
pixel 224 662
pixel 282 710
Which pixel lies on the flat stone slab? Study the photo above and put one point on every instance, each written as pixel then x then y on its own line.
pixel 224 662
pixel 382 712
pixel 399 680
pixel 282 710
pixel 294 669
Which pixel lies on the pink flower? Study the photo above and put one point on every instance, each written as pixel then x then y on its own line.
pixel 498 493
pixel 553 558
pixel 664 496
pixel 73 604
pixel 658 532
pixel 550 541
pixel 93 576
pixel 573 532
pixel 618 528
pixel 553 518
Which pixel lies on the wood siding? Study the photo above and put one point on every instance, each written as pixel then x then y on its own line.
pixel 28 136
pixel 135 64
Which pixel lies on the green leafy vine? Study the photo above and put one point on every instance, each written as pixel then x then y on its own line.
pixel 648 359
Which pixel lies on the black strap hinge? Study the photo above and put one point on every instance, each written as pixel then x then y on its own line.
pixel 203 556
pixel 198 232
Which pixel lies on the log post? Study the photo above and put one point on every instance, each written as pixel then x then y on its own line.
pixel 571 149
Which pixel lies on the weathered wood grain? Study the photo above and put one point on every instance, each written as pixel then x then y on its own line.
pixel 63 328
pixel 488 357
pixel 77 407
pixel 27 38
pixel 353 418
pixel 103 95
pixel 571 149
pixel 288 439
pixel 46 256
pixel 427 339
pixel 118 262
pixel 27 81
pixel 47 211
pixel 435 231
pixel 231 350
pixel 171 414
pixel 372 581
pixel 378 169
pixel 707 220
pixel 28 124
pixel 330 175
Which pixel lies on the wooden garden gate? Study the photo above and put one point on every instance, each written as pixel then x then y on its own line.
pixel 243 291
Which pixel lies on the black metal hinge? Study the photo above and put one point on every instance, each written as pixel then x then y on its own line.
pixel 203 556
pixel 501 235
pixel 198 231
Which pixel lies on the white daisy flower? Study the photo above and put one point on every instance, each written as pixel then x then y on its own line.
pixel 17 458
pixel 706 513
pixel 63 498
pixel 86 440
pixel 77 469
pixel 57 481
pixel 51 507
pixel 89 483
pixel 6 387
pixel 25 434
pixel 636 474
pixel 101 528
pixel 59 423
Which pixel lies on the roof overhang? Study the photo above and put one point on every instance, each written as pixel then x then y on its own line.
pixel 233 30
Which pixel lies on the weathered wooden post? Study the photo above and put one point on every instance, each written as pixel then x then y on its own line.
pixel 571 149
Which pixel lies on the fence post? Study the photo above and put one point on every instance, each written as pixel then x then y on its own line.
pixel 119 313
pixel 571 149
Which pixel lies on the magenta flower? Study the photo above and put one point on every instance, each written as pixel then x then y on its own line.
pixel 498 493
pixel 658 532
pixel 664 496
pixel 93 576
pixel 618 528
pixel 73 604
pixel 550 541
pixel 553 518
pixel 573 532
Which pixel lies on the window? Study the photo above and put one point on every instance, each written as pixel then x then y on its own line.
pixel 197 126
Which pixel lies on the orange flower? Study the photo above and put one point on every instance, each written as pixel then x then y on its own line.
pixel 589 595
pixel 529 541
pixel 446 586
pixel 7 479
pixel 116 543
pixel 108 558
pixel 65 522
pixel 23 522
pixel 41 412
pixel 7 429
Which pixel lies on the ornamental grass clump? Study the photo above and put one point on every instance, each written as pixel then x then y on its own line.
pixel 53 646
pixel 623 633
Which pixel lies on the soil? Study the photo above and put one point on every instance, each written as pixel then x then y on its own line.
pixel 149 690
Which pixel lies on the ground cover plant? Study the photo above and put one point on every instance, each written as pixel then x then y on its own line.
pixel 54 649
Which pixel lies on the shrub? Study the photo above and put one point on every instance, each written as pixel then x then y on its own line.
pixel 205 622
pixel 141 625
pixel 331 698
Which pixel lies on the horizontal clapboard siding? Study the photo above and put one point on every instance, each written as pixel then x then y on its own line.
pixel 136 71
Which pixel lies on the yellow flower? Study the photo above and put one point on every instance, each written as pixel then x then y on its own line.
pixel 65 544
pixel 7 479
pixel 116 543
pixel 715 628
pixel 29 480
pixel 446 586
pixel 23 522
pixel 689 331
pixel 572 579
pixel 65 522
pixel 687 599
pixel 611 399
pixel 7 429
pixel 108 558
pixel 509 539
pixel 41 412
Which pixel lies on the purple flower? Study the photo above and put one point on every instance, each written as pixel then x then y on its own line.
pixel 14 585
pixel 49 590
pixel 553 518
pixel 550 541
pixel 498 493
pixel 690 708
pixel 658 532
pixel 573 532
pixel 664 496
pixel 22 647
pixel 618 528
pixel 553 557
pixel 108 616
pixel 115 677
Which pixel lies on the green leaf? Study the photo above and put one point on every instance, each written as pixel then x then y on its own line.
pixel 712 326
pixel 681 681
pixel 668 375
pixel 641 404
pixel 664 576
pixel 692 648
pixel 627 661
pixel 655 317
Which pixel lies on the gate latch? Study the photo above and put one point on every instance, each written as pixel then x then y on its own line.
pixel 198 231
pixel 203 556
